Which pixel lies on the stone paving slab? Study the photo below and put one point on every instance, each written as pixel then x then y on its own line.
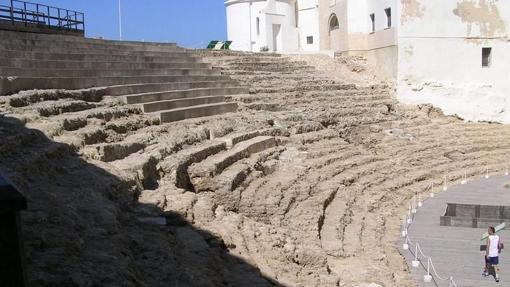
pixel 455 250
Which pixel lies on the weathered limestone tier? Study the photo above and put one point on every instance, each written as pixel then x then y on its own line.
pixel 161 77
pixel 203 175
pixel 199 111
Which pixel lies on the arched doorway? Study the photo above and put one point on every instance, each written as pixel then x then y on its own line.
pixel 334 32
pixel 333 22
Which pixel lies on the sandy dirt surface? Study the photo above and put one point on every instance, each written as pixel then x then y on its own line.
pixel 304 186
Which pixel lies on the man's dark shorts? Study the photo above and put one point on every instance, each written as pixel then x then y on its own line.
pixel 493 260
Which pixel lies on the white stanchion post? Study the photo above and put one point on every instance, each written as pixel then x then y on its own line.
pixel 506 170
pixel 405 246
pixel 427 278
pixel 404 227
pixel 464 178
pixel 432 190
pixel 445 184
pixel 420 204
pixel 409 216
pixel 487 172
pixel 413 210
pixel 415 262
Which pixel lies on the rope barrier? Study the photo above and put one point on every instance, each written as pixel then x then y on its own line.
pixel 464 178
pixel 430 265
pixel 408 220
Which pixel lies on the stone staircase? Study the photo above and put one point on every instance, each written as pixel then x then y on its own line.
pixel 163 79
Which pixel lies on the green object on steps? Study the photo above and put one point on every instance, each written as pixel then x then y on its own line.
pixel 219 45
pixel 212 44
pixel 226 45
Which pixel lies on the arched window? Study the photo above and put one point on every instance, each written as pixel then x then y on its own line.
pixel 333 22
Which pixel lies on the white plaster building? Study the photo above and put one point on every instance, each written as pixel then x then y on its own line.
pixel 454 54
pixel 278 25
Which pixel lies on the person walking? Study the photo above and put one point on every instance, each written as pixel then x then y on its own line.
pixel 492 253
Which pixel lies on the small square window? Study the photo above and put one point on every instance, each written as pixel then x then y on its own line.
pixel 388 17
pixel 486 57
pixel 309 40
pixel 372 20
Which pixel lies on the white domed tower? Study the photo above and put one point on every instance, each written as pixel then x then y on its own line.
pixel 258 25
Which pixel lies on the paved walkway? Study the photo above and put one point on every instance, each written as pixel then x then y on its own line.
pixel 455 250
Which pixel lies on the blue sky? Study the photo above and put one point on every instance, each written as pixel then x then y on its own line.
pixel 190 23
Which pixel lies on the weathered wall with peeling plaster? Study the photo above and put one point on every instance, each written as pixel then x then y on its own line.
pixel 440 57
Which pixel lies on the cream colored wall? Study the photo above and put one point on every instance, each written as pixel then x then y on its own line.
pixel 326 9
pixel 440 59
pixel 380 47
pixel 354 37
pixel 385 61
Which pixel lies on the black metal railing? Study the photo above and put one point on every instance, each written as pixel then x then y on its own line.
pixel 12 256
pixel 29 13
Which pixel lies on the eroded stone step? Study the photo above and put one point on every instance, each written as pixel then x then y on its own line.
pixel 202 174
pixel 20 72
pixel 160 87
pixel 27 98
pixel 9 85
pixel 263 163
pixel 106 140
pixel 97 57
pixel 181 103
pixel 197 112
pixel 236 138
pixel 176 167
pixel 88 48
pixel 98 65
pixel 260 61
pixel 191 93
pixel 35 37
pixel 230 54
pixel 45 43
pixel 110 52
pixel 52 108
pixel 108 152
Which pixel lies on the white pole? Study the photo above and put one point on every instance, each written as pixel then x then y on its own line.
pixel 251 36
pixel 415 262
pixel 120 22
pixel 427 278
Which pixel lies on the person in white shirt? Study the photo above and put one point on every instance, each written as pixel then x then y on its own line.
pixel 492 253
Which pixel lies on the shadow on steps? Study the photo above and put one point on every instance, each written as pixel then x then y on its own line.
pixel 81 229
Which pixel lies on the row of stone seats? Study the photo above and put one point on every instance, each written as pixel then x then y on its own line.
pixel 162 77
